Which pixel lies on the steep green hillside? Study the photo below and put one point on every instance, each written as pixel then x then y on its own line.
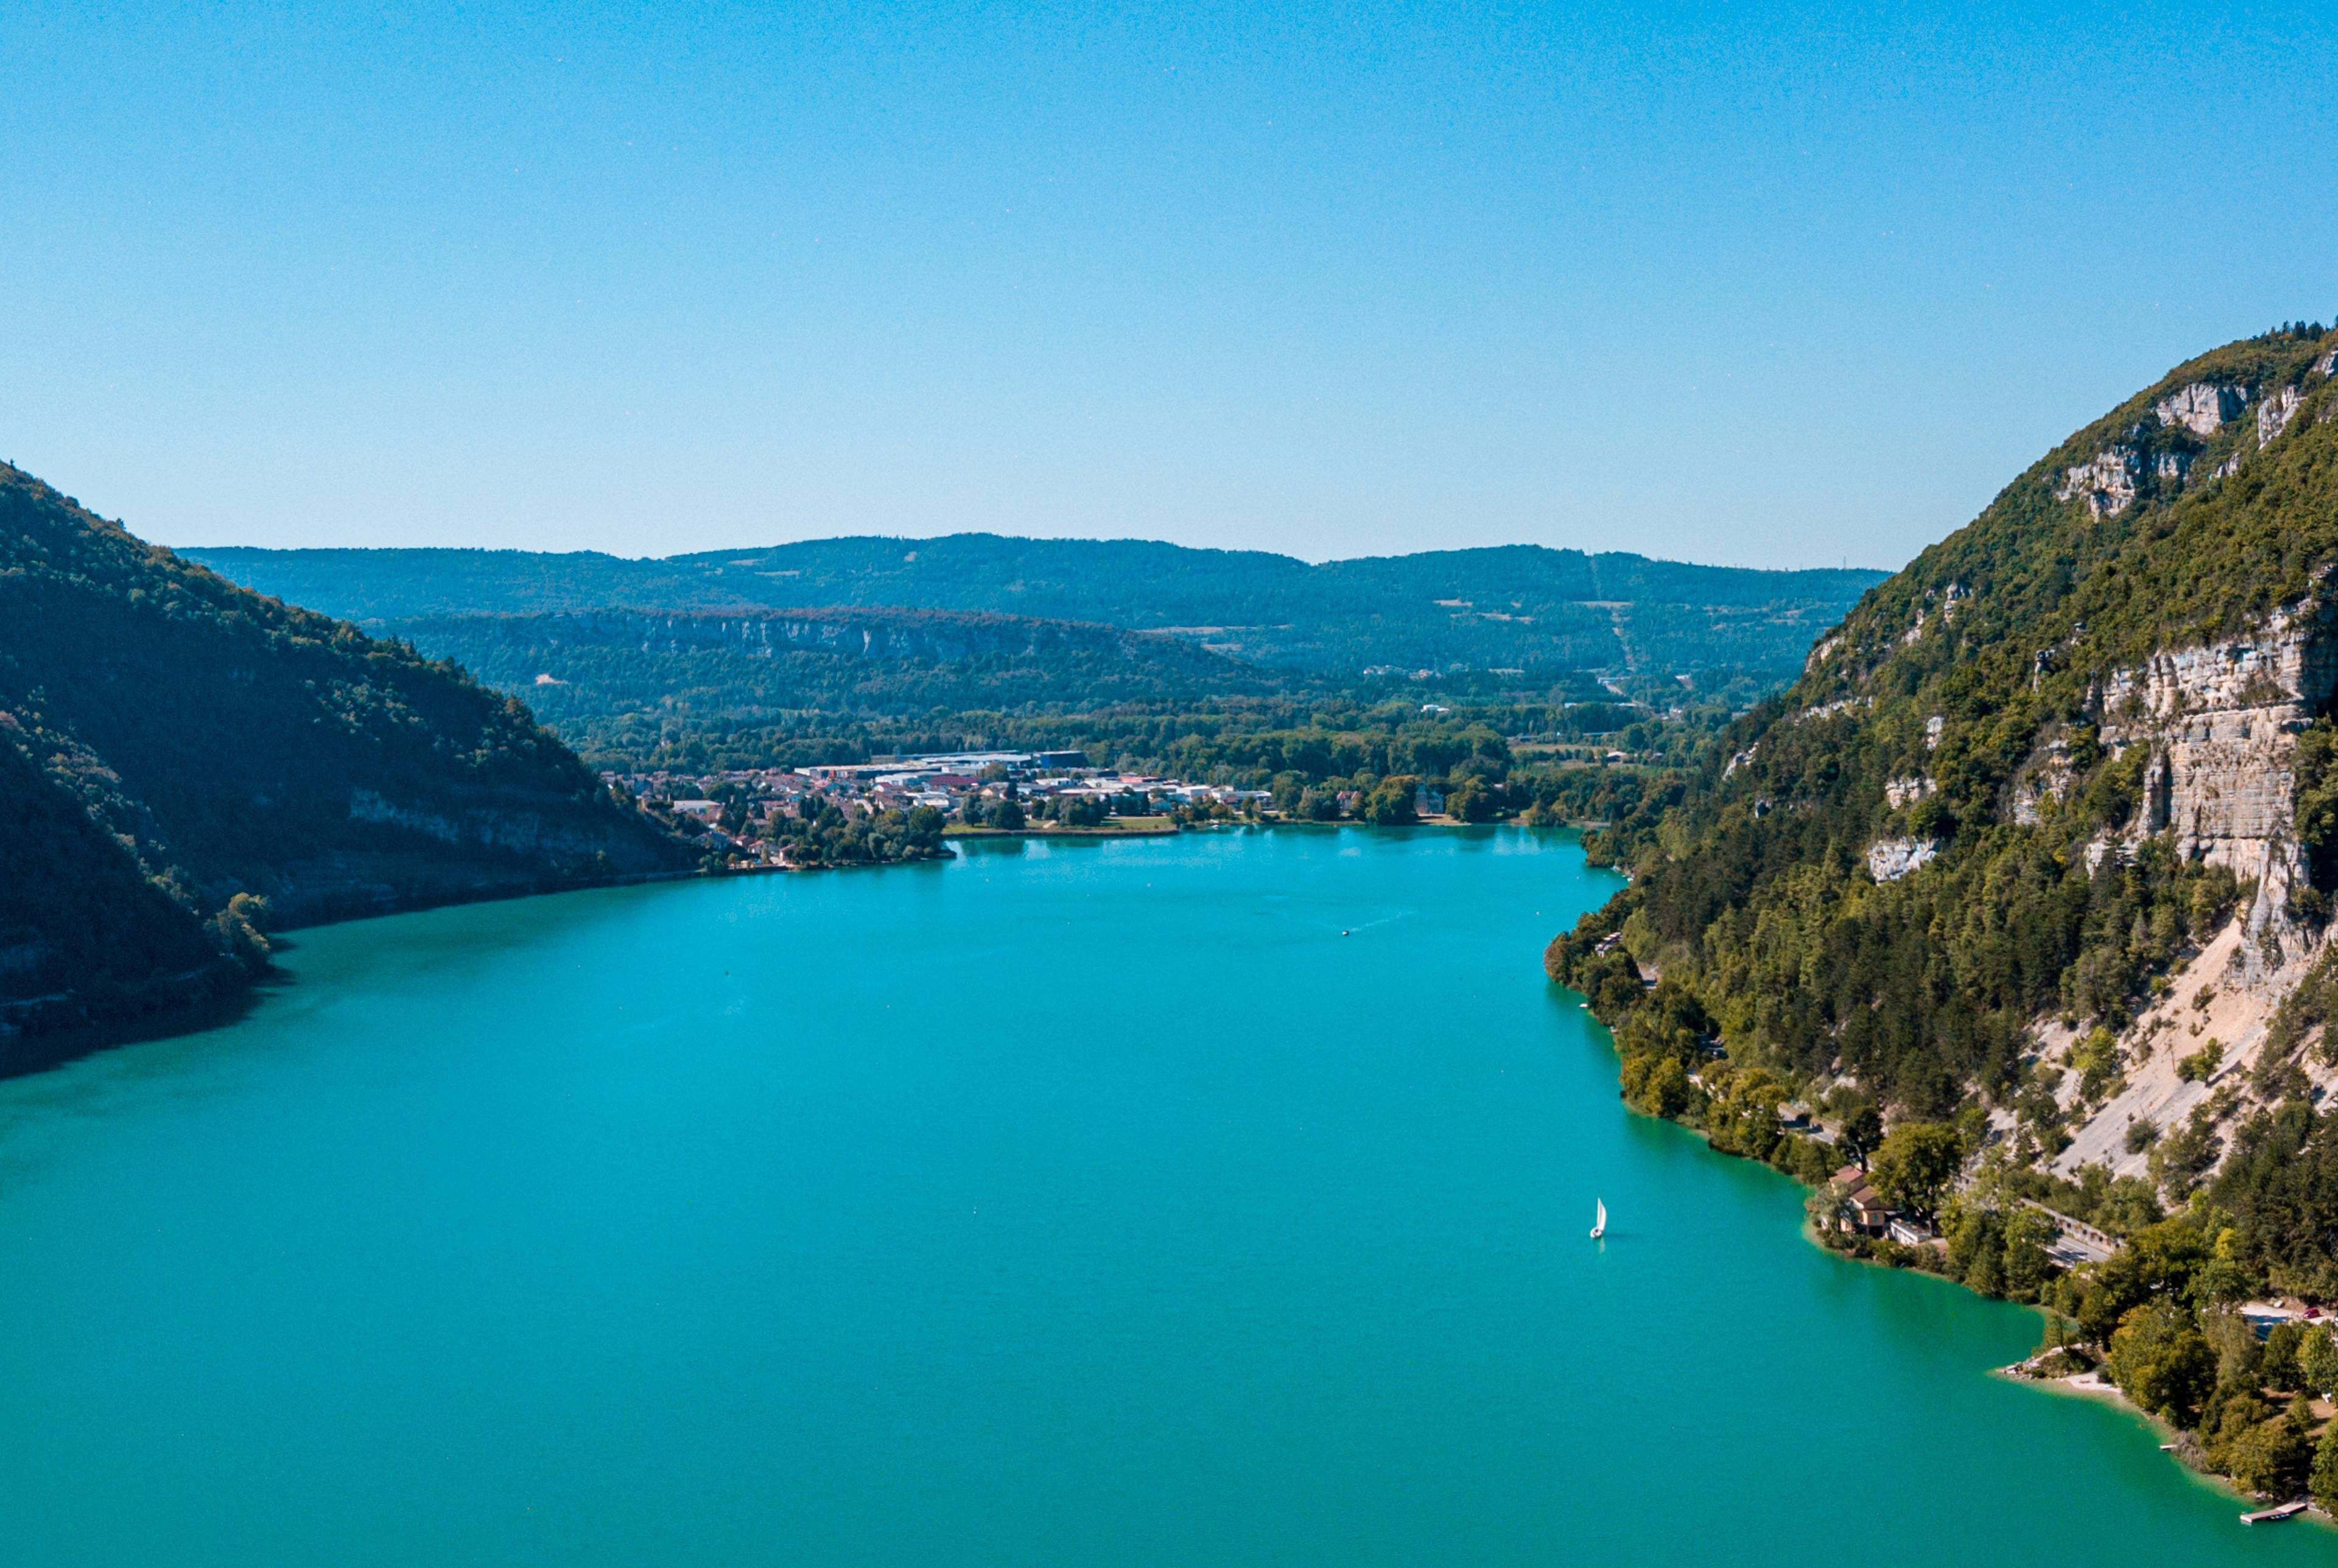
pixel 1520 607
pixel 173 741
pixel 84 930
pixel 2037 860
pixel 1754 890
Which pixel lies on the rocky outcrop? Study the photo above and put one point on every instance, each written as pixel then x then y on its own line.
pixel 2107 482
pixel 1889 859
pixel 1906 790
pixel 2047 776
pixel 2202 408
pixel 404 854
pixel 501 826
pixel 2221 722
pixel 2275 414
pixel 2219 1011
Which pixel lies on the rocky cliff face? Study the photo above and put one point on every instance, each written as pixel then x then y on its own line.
pixel 2201 407
pixel 2220 726
pixel 2224 1003
pixel 2275 412
pixel 2221 723
pixel 2042 742
pixel 2105 482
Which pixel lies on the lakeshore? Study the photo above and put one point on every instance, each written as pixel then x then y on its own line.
pixel 901 809
pixel 2094 1388
pixel 1845 1217
pixel 1112 828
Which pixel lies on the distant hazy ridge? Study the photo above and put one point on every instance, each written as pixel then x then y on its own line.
pixel 1516 607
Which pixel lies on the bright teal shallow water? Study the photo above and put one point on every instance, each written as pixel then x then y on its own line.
pixel 1070 1204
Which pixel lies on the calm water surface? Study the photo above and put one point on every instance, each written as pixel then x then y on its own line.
pixel 1100 1204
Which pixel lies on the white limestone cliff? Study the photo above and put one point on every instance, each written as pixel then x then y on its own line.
pixel 2221 723
pixel 2275 414
pixel 2107 482
pixel 2202 408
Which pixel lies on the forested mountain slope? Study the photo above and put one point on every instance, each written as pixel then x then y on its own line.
pixel 170 741
pixel 1522 608
pixel 2019 714
pixel 595 675
pixel 2037 858
pixel 81 924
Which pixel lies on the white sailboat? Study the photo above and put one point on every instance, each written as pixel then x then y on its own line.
pixel 1599 1227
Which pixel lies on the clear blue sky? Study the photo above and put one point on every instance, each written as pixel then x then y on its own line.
pixel 1738 283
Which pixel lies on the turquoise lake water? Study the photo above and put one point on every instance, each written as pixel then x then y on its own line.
pixel 1087 1203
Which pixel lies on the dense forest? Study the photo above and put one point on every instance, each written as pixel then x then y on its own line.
pixel 187 764
pixel 84 927
pixel 1964 835
pixel 1529 613
pixel 593 674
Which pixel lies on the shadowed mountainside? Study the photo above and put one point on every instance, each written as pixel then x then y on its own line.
pixel 177 747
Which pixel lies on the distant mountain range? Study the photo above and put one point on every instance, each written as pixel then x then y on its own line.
pixel 1530 612
pixel 185 764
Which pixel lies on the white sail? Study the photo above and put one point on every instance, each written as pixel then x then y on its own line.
pixel 1600 1228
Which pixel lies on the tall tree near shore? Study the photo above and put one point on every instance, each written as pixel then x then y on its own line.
pixel 2323 1480
pixel 1915 1164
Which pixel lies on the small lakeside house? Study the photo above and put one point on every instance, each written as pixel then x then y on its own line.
pixel 1863 1211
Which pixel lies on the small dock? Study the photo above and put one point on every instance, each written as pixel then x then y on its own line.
pixel 2277 1513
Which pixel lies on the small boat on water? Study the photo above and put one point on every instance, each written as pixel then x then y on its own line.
pixel 1599 1226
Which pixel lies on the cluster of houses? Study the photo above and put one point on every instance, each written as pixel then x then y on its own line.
pixel 1860 1210
pixel 959 784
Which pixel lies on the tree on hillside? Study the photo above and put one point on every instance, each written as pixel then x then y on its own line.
pixel 2162 1362
pixel 2323 1480
pixel 1863 1131
pixel 2274 1458
pixel 2317 1362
